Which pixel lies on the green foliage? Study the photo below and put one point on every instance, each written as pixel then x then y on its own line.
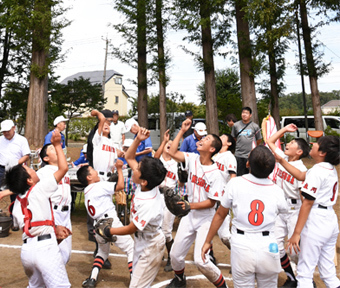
pixel 81 127
pixel 330 131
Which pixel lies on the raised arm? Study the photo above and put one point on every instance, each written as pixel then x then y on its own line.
pixel 120 182
pixel 173 151
pixel 271 141
pixel 101 119
pixel 160 149
pixel 62 163
pixel 298 174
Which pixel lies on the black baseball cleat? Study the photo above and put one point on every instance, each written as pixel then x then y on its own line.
pixel 289 283
pixel 176 283
pixel 107 264
pixel 89 283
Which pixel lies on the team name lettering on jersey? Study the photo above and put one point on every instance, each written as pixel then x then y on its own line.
pixel 220 166
pixel 200 182
pixel 108 148
pixel 66 181
pixel 313 189
pixel 285 176
pixel 171 175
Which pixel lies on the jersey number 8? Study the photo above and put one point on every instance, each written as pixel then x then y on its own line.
pixel 255 217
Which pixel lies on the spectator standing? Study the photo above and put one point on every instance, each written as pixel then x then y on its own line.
pixel 59 125
pixel 14 149
pixel 82 157
pixel 145 146
pixel 117 129
pixel 189 143
pixel 245 132
pixel 189 115
pixel 231 120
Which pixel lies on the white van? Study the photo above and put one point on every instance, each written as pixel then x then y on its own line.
pixel 299 121
pixel 174 122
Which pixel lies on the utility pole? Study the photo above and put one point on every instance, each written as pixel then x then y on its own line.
pixel 105 62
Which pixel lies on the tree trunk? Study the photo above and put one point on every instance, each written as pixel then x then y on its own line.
pixel 142 105
pixel 161 69
pixel 244 51
pixel 5 55
pixel 274 94
pixel 209 70
pixel 313 78
pixel 36 118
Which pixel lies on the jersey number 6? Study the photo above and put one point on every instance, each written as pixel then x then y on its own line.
pixel 255 217
pixel 91 208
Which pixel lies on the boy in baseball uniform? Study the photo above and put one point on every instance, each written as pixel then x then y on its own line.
pixel 256 201
pixel 40 253
pixel 146 215
pixel 99 205
pixel 285 223
pixel 226 162
pixel 61 199
pixel 170 181
pixel 205 184
pixel 317 228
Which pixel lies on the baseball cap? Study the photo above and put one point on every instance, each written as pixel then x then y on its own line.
pixel 115 112
pixel 201 129
pixel 188 113
pixel 127 142
pixel 129 123
pixel 6 125
pixel 59 119
pixel 107 113
pixel 85 148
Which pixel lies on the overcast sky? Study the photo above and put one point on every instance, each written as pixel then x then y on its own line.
pixel 85 51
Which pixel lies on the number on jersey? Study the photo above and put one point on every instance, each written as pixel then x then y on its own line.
pixel 255 217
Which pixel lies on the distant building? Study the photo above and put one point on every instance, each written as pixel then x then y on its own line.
pixel 117 97
pixel 331 106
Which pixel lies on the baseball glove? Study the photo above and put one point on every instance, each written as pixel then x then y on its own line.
pixel 182 175
pixel 102 228
pixel 171 198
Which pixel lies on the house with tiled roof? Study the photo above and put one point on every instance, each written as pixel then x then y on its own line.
pixel 114 91
pixel 330 106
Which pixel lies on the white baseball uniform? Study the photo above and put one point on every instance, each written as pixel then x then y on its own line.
pixel 116 131
pixel 204 182
pixel 320 233
pixel 227 163
pixel 40 253
pixel 147 215
pixel 170 181
pixel 99 205
pixel 104 155
pixel 61 203
pixel 256 204
pixel 285 223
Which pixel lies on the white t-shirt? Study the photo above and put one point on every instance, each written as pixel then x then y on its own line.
pixel 147 210
pixel 255 203
pixel 104 153
pixel 116 131
pixel 322 184
pixel 286 181
pixel 39 205
pixel 98 199
pixel 204 182
pixel 171 177
pixel 226 162
pixel 13 149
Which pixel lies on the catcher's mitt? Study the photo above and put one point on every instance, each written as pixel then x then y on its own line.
pixel 182 175
pixel 102 228
pixel 171 198
pixel 120 198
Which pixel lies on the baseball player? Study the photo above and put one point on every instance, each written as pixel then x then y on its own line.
pixel 61 199
pixel 205 183
pixel 146 215
pixel 317 229
pixel 256 201
pixel 226 162
pixel 171 182
pixel 285 222
pixel 40 253
pixel 99 205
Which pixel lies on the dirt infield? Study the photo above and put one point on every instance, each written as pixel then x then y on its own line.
pixel 79 267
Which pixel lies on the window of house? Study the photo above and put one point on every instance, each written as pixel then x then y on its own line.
pixel 116 99
pixel 118 81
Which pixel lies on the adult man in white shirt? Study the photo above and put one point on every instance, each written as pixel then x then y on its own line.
pixel 117 130
pixel 14 149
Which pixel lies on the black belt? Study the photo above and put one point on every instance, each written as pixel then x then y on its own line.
pixel 294 201
pixel 103 173
pixel 41 237
pixel 63 208
pixel 322 207
pixel 264 233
